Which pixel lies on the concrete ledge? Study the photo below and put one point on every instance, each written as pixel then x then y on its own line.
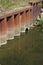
pixel 3 43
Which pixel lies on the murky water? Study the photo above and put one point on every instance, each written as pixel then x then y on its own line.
pixel 26 49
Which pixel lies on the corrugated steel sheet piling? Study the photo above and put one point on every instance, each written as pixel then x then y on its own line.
pixel 10 22
pixel 22 17
pixel 29 17
pixel 3 31
pixel 36 10
pixel 16 24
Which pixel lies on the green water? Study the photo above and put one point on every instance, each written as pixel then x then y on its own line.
pixel 24 50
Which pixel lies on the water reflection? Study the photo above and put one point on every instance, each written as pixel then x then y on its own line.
pixel 26 49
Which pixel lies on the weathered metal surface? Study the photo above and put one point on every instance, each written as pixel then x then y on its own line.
pixel 22 17
pixel 36 10
pixel 10 22
pixel 3 31
pixel 16 25
pixel 15 21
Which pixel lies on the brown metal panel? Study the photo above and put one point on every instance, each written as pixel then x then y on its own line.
pixel 27 15
pixel 34 11
pixel 3 31
pixel 0 34
pixel 10 22
pixel 16 19
pixel 25 19
pixel 3 25
pixel 22 18
pixel 16 25
pixel 36 8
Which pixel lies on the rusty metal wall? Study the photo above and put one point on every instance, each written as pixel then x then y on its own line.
pixel 3 31
pixel 16 25
pixel 13 23
pixel 22 17
pixel 10 22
